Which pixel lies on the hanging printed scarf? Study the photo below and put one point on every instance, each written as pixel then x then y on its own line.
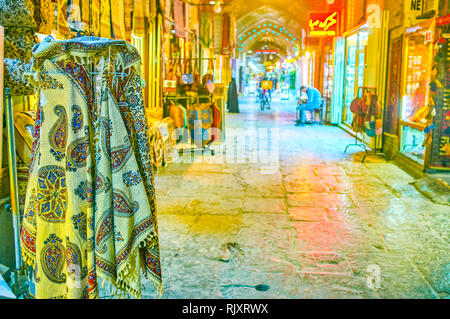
pixel 85 13
pixel 193 18
pixel 233 32
pixel 105 19
pixel 226 34
pixel 118 19
pixel 95 13
pixel 168 15
pixel 218 28
pixel 128 8
pixel 178 16
pixel 62 26
pixel 138 18
pixel 90 214
pixel 43 15
pixel 205 29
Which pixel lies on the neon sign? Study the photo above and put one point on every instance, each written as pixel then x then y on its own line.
pixel 322 24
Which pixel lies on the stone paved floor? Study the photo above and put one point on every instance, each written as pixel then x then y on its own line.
pixel 319 225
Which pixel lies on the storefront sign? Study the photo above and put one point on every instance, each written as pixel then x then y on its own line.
pixel 322 24
pixel 429 36
pixel 443 20
pixel 416 5
pixel 413 9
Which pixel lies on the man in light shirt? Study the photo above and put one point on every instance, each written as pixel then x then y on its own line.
pixel 311 102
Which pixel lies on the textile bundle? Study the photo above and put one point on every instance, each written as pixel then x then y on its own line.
pixel 90 215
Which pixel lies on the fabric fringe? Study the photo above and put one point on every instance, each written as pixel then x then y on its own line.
pixel 120 287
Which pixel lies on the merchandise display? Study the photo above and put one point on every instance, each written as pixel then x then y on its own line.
pixel 90 213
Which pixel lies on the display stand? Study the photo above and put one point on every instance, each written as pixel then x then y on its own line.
pixel 190 146
pixel 362 145
pixel 375 151
pixel 361 92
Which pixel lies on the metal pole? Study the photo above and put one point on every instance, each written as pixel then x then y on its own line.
pixel 14 187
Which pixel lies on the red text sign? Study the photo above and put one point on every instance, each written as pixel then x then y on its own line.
pixel 322 24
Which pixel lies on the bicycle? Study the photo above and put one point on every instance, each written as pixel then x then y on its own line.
pixel 264 102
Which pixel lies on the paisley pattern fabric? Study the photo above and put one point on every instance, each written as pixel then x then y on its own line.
pixel 90 212
pixel 58 134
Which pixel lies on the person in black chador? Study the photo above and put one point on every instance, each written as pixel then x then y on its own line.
pixel 232 103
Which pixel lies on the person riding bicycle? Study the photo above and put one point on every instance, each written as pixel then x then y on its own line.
pixel 263 99
pixel 312 103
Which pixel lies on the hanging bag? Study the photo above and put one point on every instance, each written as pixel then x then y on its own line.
pixel 187 77
pixel 170 84
pixel 196 76
pixel 176 114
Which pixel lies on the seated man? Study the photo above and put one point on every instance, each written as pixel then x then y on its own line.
pixel 314 102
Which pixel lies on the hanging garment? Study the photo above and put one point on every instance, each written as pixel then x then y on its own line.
pixel 232 101
pixel 216 122
pixel 128 8
pixel 85 13
pixel 138 18
pixel 95 13
pixel 44 15
pixel 90 213
pixel 118 19
pixel 62 26
pixel 168 14
pixel 226 49
pixel 205 29
pixel 178 16
pixel 17 19
pixel 105 19
pixel 218 33
pixel 358 108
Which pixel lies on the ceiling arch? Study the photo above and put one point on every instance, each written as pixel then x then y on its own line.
pixel 270 27
pixel 290 14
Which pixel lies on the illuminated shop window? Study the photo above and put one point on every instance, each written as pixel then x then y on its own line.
pixel 416 95
pixel 354 70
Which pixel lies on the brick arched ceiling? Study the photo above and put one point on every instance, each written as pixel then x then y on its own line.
pixel 292 15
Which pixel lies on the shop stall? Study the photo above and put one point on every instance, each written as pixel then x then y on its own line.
pixel 86 122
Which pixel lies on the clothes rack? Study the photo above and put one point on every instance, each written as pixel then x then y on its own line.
pixel 361 92
pixel 191 100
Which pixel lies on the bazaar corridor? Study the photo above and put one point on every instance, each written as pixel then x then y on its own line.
pixel 319 225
